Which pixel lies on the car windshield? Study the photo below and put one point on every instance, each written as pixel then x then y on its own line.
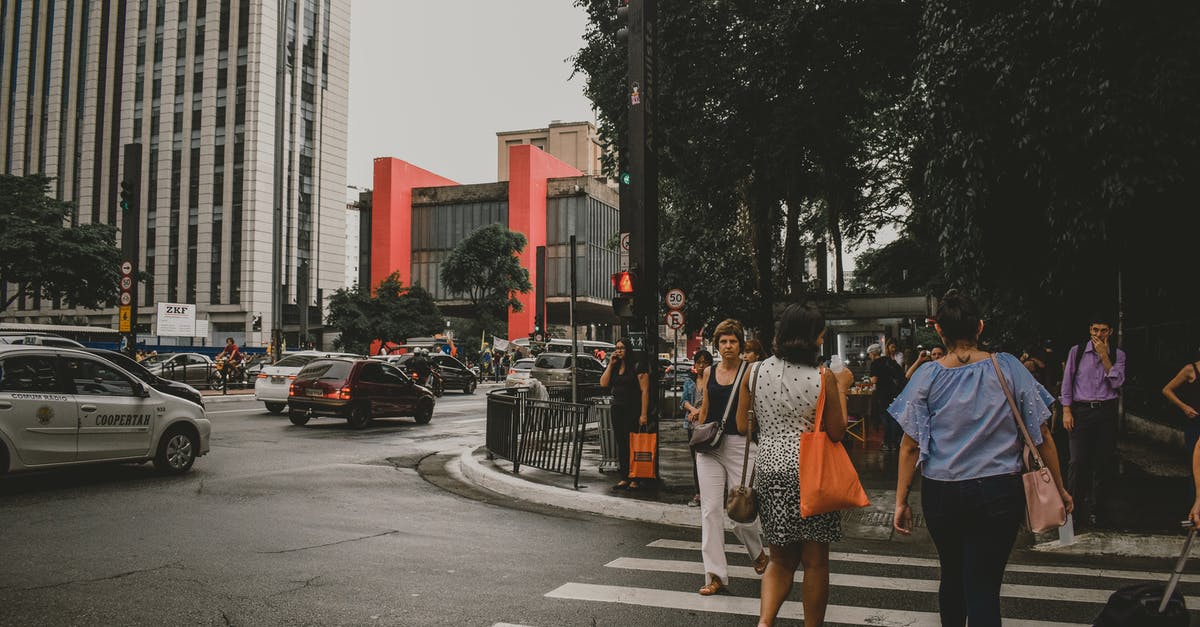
pixel 326 371
pixel 295 361
pixel 523 364
pixel 150 360
pixel 125 362
pixel 552 361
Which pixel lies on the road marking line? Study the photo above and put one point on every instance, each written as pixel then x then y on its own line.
pixel 1016 591
pixel 508 625
pixel 748 606
pixel 898 560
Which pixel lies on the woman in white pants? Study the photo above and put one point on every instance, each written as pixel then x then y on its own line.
pixel 721 469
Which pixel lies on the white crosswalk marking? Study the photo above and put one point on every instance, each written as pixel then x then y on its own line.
pixel 871 575
pixel 881 617
pixel 899 560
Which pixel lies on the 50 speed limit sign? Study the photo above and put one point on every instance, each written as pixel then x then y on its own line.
pixel 675 320
pixel 675 299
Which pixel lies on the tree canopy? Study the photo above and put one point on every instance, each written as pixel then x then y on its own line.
pixel 393 313
pixel 42 252
pixel 484 269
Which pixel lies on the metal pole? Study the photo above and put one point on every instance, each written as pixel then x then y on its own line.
pixel 277 296
pixel 574 329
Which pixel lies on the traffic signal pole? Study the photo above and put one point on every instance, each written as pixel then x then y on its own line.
pixel 131 230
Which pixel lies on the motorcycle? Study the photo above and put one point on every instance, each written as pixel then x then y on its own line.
pixel 433 381
pixel 225 373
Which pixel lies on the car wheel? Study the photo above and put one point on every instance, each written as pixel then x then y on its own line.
pixel 298 418
pixel 424 412
pixel 360 417
pixel 469 388
pixel 276 408
pixel 176 451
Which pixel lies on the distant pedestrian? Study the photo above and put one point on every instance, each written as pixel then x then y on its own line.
pixel 785 391
pixel 1092 381
pixel 924 357
pixel 1183 390
pixel 691 400
pixel 753 352
pixel 630 383
pixel 960 434
pixel 721 469
pixel 888 376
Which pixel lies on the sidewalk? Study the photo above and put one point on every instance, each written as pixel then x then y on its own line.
pixel 1149 499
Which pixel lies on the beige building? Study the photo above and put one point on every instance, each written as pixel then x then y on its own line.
pixel 194 82
pixel 575 143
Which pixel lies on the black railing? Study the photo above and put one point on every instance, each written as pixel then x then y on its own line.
pixel 542 434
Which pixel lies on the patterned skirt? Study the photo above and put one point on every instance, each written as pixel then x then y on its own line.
pixel 779 509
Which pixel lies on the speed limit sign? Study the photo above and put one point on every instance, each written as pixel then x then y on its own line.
pixel 675 299
pixel 675 320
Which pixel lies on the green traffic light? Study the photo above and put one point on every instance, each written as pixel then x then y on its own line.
pixel 124 205
pixel 625 178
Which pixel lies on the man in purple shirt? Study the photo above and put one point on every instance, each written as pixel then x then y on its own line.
pixel 1092 380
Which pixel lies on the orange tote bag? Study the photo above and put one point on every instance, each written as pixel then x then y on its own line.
pixel 642 449
pixel 828 480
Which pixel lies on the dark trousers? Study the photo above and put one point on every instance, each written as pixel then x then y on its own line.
pixel 973 524
pixel 891 429
pixel 1093 456
pixel 625 421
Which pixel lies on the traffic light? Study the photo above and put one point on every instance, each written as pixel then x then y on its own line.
pixel 624 284
pixel 623 20
pixel 128 194
pixel 538 330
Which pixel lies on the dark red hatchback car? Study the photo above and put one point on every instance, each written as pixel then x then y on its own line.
pixel 357 390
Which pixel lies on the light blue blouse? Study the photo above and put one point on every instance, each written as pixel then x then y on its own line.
pixel 961 420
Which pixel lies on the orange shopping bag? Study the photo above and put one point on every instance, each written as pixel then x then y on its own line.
pixel 828 480
pixel 642 449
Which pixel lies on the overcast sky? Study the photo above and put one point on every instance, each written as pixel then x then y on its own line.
pixel 431 82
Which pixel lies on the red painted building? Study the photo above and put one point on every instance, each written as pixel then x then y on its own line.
pixel 418 217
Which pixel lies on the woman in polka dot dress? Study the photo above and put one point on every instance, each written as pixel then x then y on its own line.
pixel 786 387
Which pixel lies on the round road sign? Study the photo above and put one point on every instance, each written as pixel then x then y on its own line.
pixel 126 268
pixel 675 299
pixel 126 282
pixel 675 320
pixel 126 298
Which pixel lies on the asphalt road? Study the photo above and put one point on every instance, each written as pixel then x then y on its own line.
pixel 325 525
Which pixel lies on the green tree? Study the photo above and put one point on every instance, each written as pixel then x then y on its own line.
pixel 393 313
pixel 484 269
pixel 42 252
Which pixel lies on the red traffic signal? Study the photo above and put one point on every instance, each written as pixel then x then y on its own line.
pixel 623 282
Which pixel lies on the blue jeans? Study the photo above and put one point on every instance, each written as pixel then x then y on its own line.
pixel 973 524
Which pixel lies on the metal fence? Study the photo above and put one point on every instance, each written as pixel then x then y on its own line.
pixel 543 434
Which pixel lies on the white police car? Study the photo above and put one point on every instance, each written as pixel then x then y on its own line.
pixel 62 407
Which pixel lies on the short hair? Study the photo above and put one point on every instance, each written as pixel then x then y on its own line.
pixel 1100 317
pixel 228 339
pixel 958 316
pixel 703 354
pixel 753 346
pixel 729 326
pixel 797 332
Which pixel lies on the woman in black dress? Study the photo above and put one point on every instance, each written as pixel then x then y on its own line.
pixel 630 385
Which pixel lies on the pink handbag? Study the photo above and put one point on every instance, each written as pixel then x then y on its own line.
pixel 1044 508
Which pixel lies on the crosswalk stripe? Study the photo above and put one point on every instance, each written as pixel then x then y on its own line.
pixel 1015 591
pixel 898 560
pixel 647 597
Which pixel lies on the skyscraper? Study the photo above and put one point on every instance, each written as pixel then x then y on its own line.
pixel 194 82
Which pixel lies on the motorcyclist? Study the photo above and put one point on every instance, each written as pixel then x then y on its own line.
pixel 422 366
pixel 232 357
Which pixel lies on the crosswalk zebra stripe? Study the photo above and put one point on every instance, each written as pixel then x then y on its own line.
pixel 1015 591
pixel 746 606
pixel 899 560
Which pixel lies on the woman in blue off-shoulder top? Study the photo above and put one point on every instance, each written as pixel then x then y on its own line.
pixel 960 433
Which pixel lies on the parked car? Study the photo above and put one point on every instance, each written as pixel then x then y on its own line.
pixel 191 368
pixel 554 369
pixel 272 383
pixel 41 339
pixel 64 407
pixel 166 386
pixel 357 390
pixel 519 373
pixel 673 373
pixel 455 374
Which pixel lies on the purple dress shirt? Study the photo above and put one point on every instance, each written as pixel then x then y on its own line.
pixel 1092 383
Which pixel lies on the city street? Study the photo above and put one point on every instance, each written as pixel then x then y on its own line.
pixel 324 525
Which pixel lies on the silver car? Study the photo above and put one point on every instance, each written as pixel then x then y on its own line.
pixel 554 369
pixel 63 407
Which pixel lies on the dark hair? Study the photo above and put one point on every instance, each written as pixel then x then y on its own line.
pixel 958 317
pixel 797 332
pixel 623 340
pixel 1101 317
pixel 702 353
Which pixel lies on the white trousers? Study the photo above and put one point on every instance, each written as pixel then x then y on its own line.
pixel 718 471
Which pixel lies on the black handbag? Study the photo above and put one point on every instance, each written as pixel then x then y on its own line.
pixel 706 437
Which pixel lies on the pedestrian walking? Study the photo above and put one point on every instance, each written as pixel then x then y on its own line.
pixel 1183 390
pixel 692 397
pixel 721 469
pixel 961 435
pixel 630 383
pixel 785 390
pixel 1092 381
pixel 888 376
